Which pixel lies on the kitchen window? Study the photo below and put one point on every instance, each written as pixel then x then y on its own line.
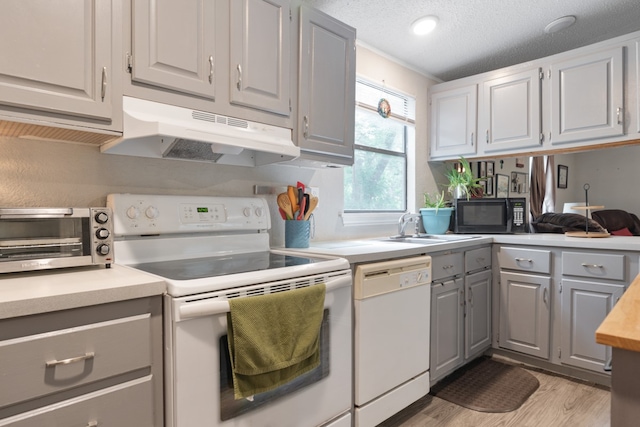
pixel 377 183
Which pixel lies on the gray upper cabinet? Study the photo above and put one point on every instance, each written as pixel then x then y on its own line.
pixel 260 54
pixel 326 97
pixel 453 122
pixel 587 97
pixel 57 57
pixel 173 45
pixel 510 112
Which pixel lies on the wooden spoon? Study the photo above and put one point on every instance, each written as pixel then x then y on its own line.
pixel 313 202
pixel 285 204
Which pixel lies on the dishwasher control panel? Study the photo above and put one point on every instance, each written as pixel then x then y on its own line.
pixel 391 276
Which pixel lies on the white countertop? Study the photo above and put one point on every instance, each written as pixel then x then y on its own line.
pixel 23 294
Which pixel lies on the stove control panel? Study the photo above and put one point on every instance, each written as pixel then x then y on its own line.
pixel 139 214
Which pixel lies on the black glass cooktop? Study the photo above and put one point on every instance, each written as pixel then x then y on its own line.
pixel 199 268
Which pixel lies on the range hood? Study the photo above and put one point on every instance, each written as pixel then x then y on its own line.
pixel 152 129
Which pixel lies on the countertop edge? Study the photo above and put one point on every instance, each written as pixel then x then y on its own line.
pixel 621 327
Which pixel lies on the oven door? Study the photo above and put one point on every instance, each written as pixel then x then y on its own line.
pixel 197 391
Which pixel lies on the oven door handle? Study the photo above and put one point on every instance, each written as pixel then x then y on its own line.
pixel 211 307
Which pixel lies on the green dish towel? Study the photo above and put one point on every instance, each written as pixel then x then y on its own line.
pixel 274 338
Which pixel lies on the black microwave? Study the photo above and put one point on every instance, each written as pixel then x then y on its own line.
pixel 490 216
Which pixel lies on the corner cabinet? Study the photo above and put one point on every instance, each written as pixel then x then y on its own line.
pixel 326 91
pixel 453 122
pixel 57 64
pixel 587 97
pixel 89 366
pixel 510 112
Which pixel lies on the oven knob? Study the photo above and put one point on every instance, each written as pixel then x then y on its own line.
pixel 102 233
pixel 133 212
pixel 151 212
pixel 259 211
pixel 101 217
pixel 246 212
pixel 103 249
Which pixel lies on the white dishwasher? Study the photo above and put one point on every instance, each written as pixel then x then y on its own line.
pixel 392 304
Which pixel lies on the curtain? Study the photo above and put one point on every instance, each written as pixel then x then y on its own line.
pixel 549 202
pixel 537 187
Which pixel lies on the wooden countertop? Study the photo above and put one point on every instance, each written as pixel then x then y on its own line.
pixel 621 328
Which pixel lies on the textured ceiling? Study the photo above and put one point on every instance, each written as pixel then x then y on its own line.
pixel 475 36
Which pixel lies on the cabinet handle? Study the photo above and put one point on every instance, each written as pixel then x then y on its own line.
pixel 86 356
pixel 92 424
pixel 471 297
pixel 544 295
pixel 487 136
pixel 461 298
pixel 619 115
pixel 211 69
pixel 103 91
pixel 584 264
pixel 472 139
pixel 447 267
pixel 524 260
pixel 239 82
pixel 305 126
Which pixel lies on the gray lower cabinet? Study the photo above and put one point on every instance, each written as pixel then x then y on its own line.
pixel 57 59
pixel 326 90
pixel 460 309
pixel 98 365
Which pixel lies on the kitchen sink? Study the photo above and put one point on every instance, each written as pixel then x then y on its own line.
pixel 429 239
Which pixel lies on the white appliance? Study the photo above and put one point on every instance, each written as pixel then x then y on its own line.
pixel 392 300
pixel 152 129
pixel 212 249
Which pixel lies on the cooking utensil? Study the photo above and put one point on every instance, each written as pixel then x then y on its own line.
pixel 282 213
pixel 284 203
pixel 303 204
pixel 306 202
pixel 293 199
pixel 313 202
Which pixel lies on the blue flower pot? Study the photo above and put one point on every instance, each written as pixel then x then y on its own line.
pixel 436 221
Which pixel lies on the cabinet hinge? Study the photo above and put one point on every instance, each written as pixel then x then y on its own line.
pixel 559 352
pixel 290 15
pixel 560 287
pixel 290 108
pixel 129 63
pixel 549 73
pixel 541 137
pixel 541 74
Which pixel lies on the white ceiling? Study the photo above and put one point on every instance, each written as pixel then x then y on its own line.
pixel 475 36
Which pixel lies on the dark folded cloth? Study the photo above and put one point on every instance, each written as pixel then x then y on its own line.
pixel 617 219
pixel 563 222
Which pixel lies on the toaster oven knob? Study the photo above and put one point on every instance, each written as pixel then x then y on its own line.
pixel 101 217
pixel 103 249
pixel 102 233
pixel 133 212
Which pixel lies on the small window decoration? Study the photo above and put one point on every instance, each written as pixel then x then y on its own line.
pixel 384 108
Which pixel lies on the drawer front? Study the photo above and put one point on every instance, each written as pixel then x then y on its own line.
pixel 601 266
pixel 127 404
pixel 447 265
pixel 530 260
pixel 46 363
pixel 477 259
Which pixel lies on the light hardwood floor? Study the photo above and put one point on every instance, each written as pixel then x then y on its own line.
pixel 557 402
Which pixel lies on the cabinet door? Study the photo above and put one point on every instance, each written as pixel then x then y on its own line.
pixel 587 97
pixel 510 115
pixel 584 307
pixel 525 313
pixel 453 122
pixel 477 290
pixel 326 107
pixel 260 54
pixel 56 56
pixel 447 327
pixel 173 45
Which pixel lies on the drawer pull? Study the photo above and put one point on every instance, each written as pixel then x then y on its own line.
pixel 524 260
pixel 86 356
pixel 479 260
pixel 446 267
pixel 92 424
pixel 584 264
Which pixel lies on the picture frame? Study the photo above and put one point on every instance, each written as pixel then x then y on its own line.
pixel 490 168
pixel 502 185
pixel 563 176
pixel 489 186
pixel 519 162
pixel 519 183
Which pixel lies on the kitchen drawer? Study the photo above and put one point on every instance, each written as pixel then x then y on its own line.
pixel 36 365
pixel 593 265
pixel 530 260
pixel 127 404
pixel 477 259
pixel 447 265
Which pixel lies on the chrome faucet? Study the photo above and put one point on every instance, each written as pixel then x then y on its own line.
pixel 405 219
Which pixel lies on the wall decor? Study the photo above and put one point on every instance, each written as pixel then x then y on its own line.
pixel 490 168
pixel 519 162
pixel 502 185
pixel 563 176
pixel 489 186
pixel 519 182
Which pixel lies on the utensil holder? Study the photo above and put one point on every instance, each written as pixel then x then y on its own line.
pixel 296 234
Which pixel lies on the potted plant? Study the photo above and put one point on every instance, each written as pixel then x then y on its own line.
pixel 436 215
pixel 462 182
